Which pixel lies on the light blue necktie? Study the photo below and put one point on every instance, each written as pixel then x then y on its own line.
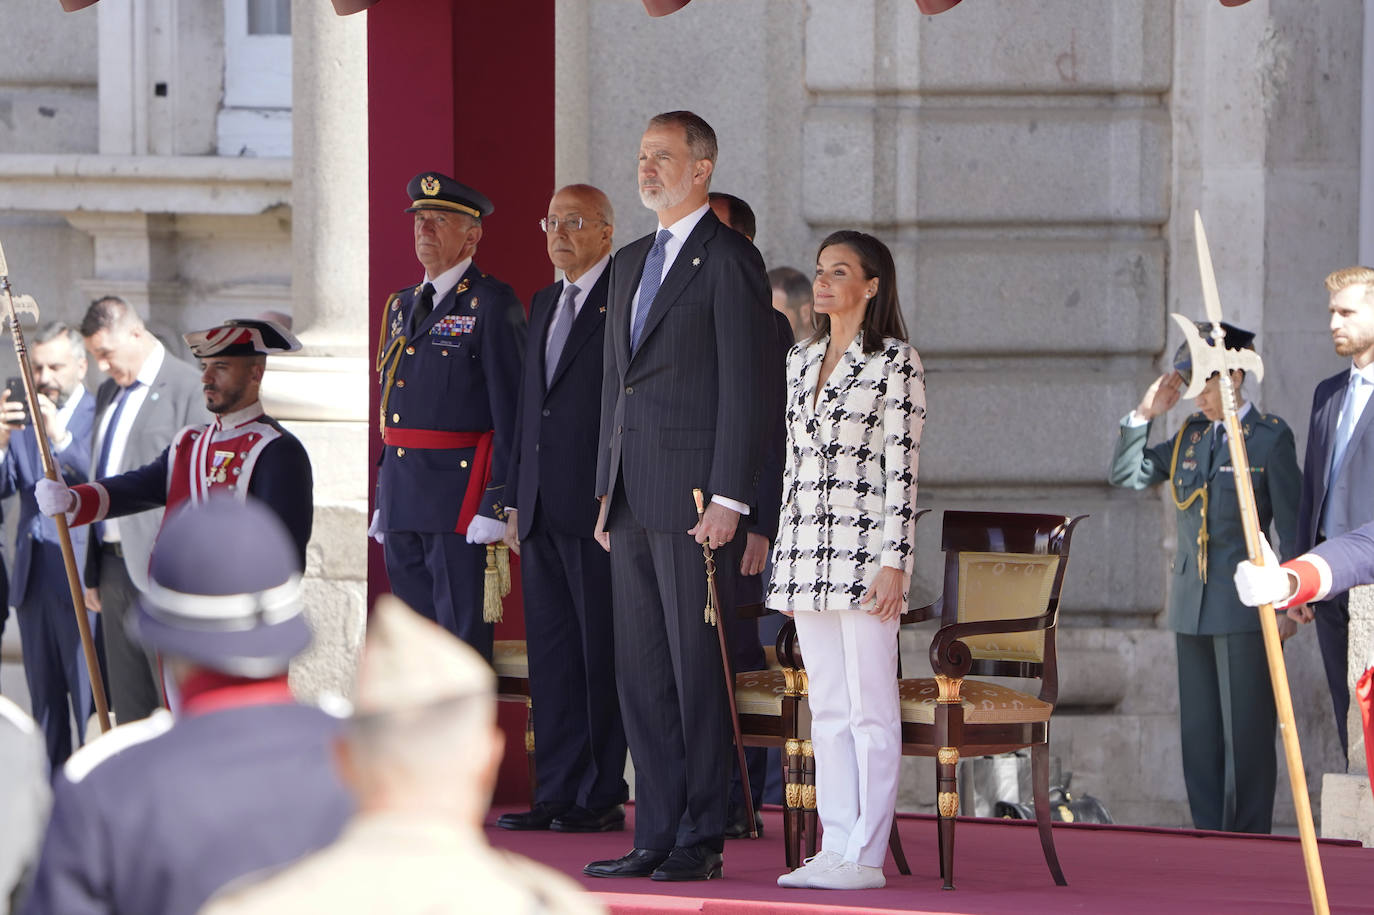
pixel 558 332
pixel 1346 429
pixel 648 284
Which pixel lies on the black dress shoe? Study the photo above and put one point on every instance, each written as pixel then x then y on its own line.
pixel 695 863
pixel 640 862
pixel 737 823
pixel 538 817
pixel 580 819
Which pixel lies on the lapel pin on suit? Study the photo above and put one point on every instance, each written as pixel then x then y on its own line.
pixel 696 262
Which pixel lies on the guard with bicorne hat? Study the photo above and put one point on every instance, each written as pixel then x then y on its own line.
pixel 243 452
pixel 448 362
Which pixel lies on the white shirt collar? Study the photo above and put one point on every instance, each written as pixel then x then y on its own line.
pixel 448 279
pixel 586 281
pixel 684 226
pixel 1366 373
pixel 239 417
pixel 153 364
pixel 68 408
pixel 1240 414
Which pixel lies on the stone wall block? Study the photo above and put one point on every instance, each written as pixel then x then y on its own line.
pixel 838 180
pixel 337 613
pixel 1043 165
pixel 840 43
pixel 48 119
pixel 1038 412
pixel 1051 47
pixel 40 43
pixel 338 542
pixel 1086 296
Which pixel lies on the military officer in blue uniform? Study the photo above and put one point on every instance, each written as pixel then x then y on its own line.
pixel 156 815
pixel 449 358
pixel 1226 706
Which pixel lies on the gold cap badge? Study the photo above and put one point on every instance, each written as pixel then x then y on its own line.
pixel 429 185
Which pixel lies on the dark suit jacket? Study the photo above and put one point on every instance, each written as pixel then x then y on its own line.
pixel 22 469
pixel 1351 558
pixel 764 519
pixel 1355 487
pixel 682 411
pixel 174 400
pixel 553 457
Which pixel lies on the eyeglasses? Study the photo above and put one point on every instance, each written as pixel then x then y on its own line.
pixel 572 223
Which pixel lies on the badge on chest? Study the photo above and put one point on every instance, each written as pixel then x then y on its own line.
pixel 451 329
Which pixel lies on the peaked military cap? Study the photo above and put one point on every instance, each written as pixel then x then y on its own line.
pixel 242 337
pixel 433 191
pixel 223 589
pixel 410 663
pixel 1236 338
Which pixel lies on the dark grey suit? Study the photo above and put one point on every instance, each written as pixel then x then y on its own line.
pixel 1351 504
pixel 175 399
pixel 681 412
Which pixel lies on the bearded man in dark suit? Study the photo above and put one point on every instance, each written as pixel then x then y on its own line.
pixel 686 317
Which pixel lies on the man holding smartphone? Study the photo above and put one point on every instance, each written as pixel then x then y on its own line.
pixel 54 667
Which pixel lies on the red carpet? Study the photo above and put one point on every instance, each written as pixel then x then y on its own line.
pixel 998 867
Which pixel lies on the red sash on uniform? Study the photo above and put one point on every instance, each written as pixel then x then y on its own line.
pixel 481 461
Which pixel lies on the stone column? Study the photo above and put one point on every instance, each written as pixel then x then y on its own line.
pixel 321 393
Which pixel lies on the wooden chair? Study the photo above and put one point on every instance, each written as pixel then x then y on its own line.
pixel 511 661
pixel 772 713
pixel 1003 576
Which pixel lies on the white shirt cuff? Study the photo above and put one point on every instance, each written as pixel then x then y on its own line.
pixel 731 503
pixel 1133 420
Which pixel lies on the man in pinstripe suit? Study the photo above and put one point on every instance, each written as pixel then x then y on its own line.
pixel 686 316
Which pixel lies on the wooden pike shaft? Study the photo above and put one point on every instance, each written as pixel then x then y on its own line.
pixel 1273 650
pixel 64 537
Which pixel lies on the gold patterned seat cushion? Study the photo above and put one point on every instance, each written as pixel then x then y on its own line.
pixel 510 659
pixel 984 703
pixel 759 692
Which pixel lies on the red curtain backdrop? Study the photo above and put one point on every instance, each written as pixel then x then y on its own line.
pixel 463 87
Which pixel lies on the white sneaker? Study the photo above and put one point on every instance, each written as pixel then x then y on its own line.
pixel 848 875
pixel 811 867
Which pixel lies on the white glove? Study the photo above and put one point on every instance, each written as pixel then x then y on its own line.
pixel 374 527
pixel 485 530
pixel 1267 584
pixel 53 498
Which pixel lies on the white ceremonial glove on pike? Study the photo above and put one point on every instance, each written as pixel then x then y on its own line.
pixel 1267 584
pixel 485 530
pixel 374 527
pixel 53 498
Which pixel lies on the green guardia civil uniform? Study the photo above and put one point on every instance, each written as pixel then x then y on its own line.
pixel 1226 704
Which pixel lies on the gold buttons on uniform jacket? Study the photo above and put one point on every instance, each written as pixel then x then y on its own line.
pixel 463 464
pixel 400 452
pixel 410 351
pixel 400 382
pixel 395 417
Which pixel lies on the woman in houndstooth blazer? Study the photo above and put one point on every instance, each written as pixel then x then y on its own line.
pixel 843 559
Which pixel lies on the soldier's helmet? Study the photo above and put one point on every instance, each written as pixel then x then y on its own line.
pixel 223 590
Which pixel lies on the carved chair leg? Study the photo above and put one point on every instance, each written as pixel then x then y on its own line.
pixel 529 747
pixel 894 844
pixel 947 805
pixel 809 798
pixel 1040 783
pixel 791 803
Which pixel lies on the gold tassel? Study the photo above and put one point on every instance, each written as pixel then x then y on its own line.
pixel 711 614
pixel 503 567
pixel 491 588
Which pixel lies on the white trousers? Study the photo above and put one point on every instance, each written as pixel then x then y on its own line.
pixel 856 730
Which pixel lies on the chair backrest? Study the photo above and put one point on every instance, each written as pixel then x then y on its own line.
pixel 1007 566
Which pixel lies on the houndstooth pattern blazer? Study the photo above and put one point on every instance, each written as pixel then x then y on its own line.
pixel 849 488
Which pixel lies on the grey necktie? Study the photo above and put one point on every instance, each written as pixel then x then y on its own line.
pixel 649 283
pixel 1346 428
pixel 558 332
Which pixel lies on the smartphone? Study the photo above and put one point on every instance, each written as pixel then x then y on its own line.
pixel 16 388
